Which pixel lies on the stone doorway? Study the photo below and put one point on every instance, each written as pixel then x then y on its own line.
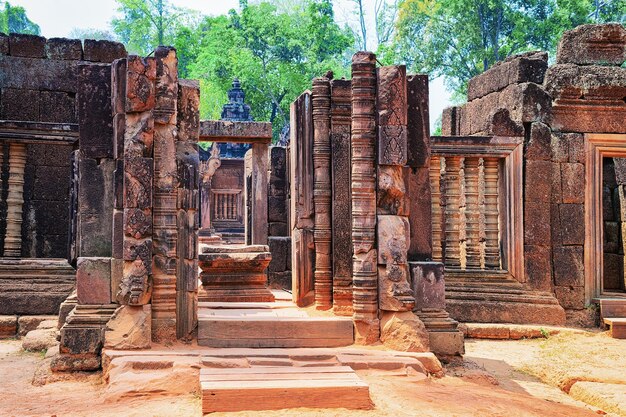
pixel 605 216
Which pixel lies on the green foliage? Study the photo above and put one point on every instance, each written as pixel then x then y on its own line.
pixel 13 19
pixel 89 33
pixel 462 38
pixel 274 54
pixel 544 333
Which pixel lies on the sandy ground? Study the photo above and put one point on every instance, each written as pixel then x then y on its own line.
pixel 488 383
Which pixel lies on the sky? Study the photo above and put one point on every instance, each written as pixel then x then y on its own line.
pixel 57 18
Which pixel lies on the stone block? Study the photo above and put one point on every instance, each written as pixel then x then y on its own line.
pixel 536 225
pixel 570 297
pixel 62 48
pixel 572 222
pixel 280 248
pixel 585 83
pixel 573 183
pixel 503 125
pixel 19 104
pixel 593 44
pixel 613 274
pixel 40 339
pixel 418 129
pixel 404 332
pixel 555 224
pixel 538 148
pixel 119 134
pixel 427 280
pixel 74 363
pixel 393 239
pixel 138 223
pixel 576 147
pixel 138 173
pixel 138 249
pixel 538 267
pixel 28 46
pixel 450 121
pixel 557 188
pixel 391 191
pixel 569 266
pixel 129 328
pixel 140 84
pixel 187 275
pixel 93 280
pixel 538 180
pixel 4 44
pixel 166 85
pixel 138 135
pixel 418 199
pixel 103 50
pixel 276 209
pixel 117 234
pixel 81 340
pixel 394 289
pixel 522 68
pixel 278 229
pixel 612 235
pixel 136 285
pixel 94 111
pixel 118 86
pixel 188 118
pixel 392 115
pixel 57 107
pixel 559 145
pixel 584 116
pixel 280 280
pixel 8 326
pixel 27 73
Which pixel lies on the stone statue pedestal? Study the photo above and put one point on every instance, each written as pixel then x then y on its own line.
pixel 234 273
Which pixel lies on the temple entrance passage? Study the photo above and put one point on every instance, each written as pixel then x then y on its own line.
pixel 614 223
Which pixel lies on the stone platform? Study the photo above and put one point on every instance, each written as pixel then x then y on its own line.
pixel 234 273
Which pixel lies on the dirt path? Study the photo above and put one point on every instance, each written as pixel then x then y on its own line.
pixel 470 391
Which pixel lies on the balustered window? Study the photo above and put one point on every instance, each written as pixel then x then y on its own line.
pixel 227 205
pixel 476 204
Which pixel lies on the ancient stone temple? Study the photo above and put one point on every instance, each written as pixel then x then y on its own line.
pixel 110 217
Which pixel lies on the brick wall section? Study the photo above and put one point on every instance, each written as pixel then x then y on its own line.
pixel 279 269
pixel 40 84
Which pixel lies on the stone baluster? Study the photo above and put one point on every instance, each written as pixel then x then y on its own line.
pixel 452 253
pixel 364 272
pixel 437 215
pixel 472 214
pixel 492 224
pixel 322 193
pixel 15 200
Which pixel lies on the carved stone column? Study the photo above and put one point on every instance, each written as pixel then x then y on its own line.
pixel 364 271
pixel 207 170
pixel 322 193
pixel 15 200
pixel 492 226
pixel 437 214
pixel 472 214
pixel 452 251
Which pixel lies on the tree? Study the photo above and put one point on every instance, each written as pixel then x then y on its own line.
pixel 13 19
pixel 274 54
pixel 459 39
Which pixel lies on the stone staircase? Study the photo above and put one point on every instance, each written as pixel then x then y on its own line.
pixel 31 286
pixel 613 313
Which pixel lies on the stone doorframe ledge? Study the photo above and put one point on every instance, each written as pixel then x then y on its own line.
pixel 597 146
pixel 511 149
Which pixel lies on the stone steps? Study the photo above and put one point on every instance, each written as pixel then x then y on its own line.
pixel 613 313
pixel 279 387
pixel 617 327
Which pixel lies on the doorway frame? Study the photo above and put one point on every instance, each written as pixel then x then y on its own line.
pixel 597 147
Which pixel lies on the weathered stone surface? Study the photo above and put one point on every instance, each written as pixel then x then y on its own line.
pixel 418 129
pixel 450 121
pixel 136 285
pixel 28 46
pixel 570 297
pixel 8 326
pixel 93 280
pixel 393 239
pixel 536 223
pixel 585 83
pixel 538 266
pixel 572 218
pixel 138 173
pixel 140 84
pixel 73 363
pixel 138 135
pixel 428 285
pixel 129 328
pixel 538 180
pixel 522 68
pixel 62 48
pixel 613 274
pixel 19 104
pixel 569 266
pixel 503 125
pixel 280 248
pixel 278 229
pixel 81 340
pixel 593 44
pixel 418 200
pixel 404 332
pixel 40 339
pixel 241 132
pixel 391 191
pixel 573 183
pixel 28 323
pixel 188 118
pixel 392 115
pixel 94 111
pixel 57 107
pixel 4 44
pixel 538 148
pixel 55 75
pixel 138 223
pixel 103 50
pixel 166 85
pixel 395 293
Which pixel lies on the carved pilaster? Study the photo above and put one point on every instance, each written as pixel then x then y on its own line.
pixel 365 276
pixel 472 214
pixel 15 200
pixel 452 253
pixel 492 224
pixel 437 214
pixel 322 193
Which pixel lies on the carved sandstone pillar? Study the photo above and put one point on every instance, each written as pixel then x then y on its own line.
pixel 322 193
pixel 472 214
pixel 15 200
pixel 492 226
pixel 453 214
pixel 437 214
pixel 364 272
